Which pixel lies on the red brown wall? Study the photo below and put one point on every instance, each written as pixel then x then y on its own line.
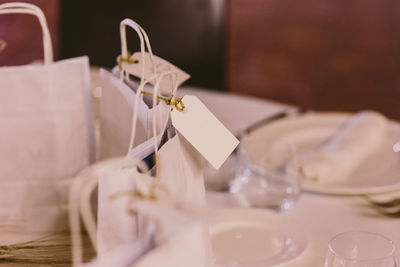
pixel 23 34
pixel 321 54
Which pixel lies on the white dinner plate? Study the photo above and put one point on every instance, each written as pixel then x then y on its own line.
pixel 255 238
pixel 379 174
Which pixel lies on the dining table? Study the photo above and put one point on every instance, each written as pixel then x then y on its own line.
pixel 317 216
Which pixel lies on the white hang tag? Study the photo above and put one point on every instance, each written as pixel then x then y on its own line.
pixel 161 65
pixel 204 131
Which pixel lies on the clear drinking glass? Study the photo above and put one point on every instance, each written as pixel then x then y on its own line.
pixel 360 249
pixel 219 180
pixel 265 183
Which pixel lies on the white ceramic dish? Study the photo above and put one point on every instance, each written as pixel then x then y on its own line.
pixel 255 238
pixel 379 174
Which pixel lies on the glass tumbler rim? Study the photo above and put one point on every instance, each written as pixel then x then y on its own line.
pixel 392 244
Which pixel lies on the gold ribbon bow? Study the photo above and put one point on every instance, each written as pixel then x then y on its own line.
pixel 136 194
pixel 177 103
pixel 127 59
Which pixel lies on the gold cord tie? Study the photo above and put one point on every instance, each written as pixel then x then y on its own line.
pixel 135 195
pixel 127 59
pixel 177 103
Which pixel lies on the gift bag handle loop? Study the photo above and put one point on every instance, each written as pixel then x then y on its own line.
pixel 136 106
pixel 125 56
pixel 25 8
pixel 155 98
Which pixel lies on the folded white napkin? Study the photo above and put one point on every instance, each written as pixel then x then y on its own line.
pixel 334 160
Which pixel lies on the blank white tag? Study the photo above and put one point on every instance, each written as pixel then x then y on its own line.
pixel 204 131
pixel 161 65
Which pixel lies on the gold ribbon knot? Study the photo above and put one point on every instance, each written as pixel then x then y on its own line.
pixel 177 103
pixel 137 195
pixel 127 59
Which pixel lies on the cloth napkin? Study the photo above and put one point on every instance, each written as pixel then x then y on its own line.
pixel 336 158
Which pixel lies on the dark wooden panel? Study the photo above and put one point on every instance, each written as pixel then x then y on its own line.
pixel 186 33
pixel 23 34
pixel 321 54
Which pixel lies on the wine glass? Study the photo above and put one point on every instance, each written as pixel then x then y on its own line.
pixel 360 249
pixel 219 180
pixel 264 181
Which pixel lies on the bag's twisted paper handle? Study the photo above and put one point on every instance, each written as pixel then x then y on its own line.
pixel 172 100
pixel 177 103
pixel 136 106
pixel 155 95
pixel 125 56
pixel 25 8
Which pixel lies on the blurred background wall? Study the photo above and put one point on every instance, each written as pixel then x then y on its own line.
pixel 188 33
pixel 319 54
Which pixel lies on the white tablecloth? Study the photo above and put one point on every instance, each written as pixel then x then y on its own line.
pixel 320 217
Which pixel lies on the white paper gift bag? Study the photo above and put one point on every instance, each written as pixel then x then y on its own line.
pixel 115 226
pixel 183 240
pixel 46 134
pixel 116 105
pixel 172 232
pixel 118 99
pixel 179 166
pixel 118 102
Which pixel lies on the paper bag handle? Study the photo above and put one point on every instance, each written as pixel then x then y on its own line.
pixel 25 8
pixel 159 77
pixel 155 94
pixel 142 37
